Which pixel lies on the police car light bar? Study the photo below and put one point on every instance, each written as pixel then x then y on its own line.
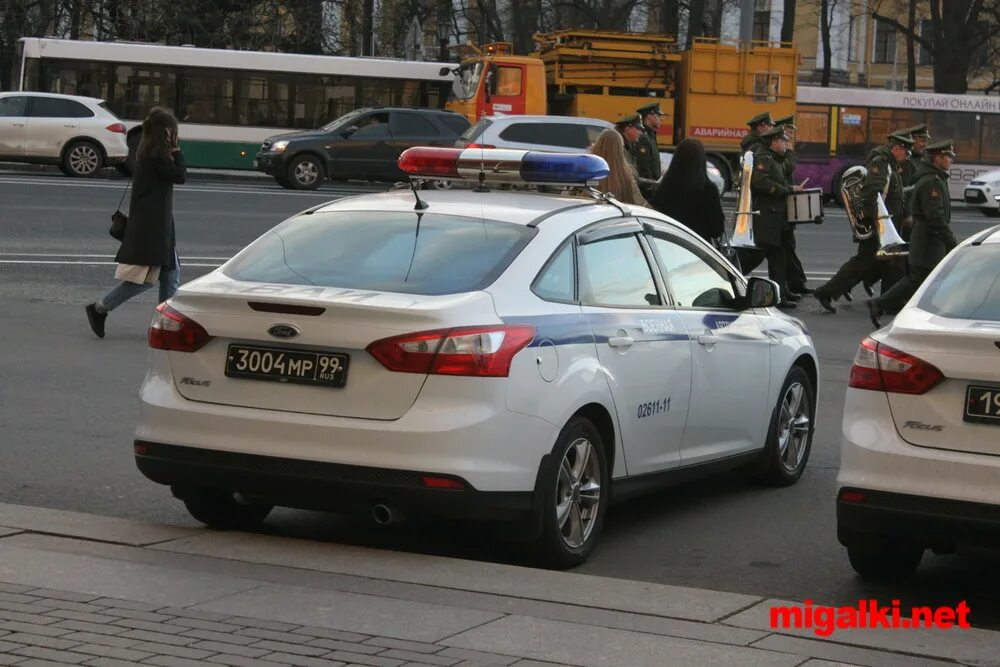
pixel 503 165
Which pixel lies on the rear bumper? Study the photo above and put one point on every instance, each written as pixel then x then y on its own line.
pixel 923 520
pixel 981 197
pixel 323 486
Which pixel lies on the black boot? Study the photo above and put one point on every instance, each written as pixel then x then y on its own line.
pixel 824 301
pixel 96 319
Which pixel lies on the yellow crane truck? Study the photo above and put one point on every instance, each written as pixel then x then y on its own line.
pixel 708 90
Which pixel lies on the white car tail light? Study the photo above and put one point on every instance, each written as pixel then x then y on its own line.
pixel 473 351
pixel 882 368
pixel 171 330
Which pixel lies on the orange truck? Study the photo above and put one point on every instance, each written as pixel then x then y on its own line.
pixel 708 90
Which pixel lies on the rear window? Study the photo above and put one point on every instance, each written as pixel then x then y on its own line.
pixel 386 252
pixel 455 122
pixel 968 287
pixel 55 107
pixel 476 130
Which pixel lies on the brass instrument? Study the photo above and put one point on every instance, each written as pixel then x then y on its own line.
pixel 850 195
pixel 743 227
pixel 890 242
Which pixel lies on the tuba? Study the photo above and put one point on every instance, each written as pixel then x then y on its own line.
pixel 743 227
pixel 890 242
pixel 850 194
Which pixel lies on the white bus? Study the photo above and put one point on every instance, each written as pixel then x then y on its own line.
pixel 228 102
pixel 837 127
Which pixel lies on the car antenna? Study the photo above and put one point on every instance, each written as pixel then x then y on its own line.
pixel 421 204
pixel 607 198
pixel 482 172
pixel 416 236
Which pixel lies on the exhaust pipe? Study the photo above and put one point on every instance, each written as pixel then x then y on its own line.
pixel 384 515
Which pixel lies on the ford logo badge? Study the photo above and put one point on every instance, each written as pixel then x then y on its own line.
pixel 284 331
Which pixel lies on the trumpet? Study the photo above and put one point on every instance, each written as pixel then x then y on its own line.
pixel 743 226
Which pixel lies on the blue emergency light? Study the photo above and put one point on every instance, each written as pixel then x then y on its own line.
pixel 503 165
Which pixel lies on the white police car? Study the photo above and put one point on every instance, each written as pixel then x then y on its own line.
pixel 479 353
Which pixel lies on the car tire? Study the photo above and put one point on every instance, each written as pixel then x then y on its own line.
pixel 789 437
pixel 305 173
pixel 991 212
pixel 884 560
pixel 575 494
pixel 222 510
pixel 82 159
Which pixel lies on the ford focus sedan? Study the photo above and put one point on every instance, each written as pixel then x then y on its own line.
pixel 920 452
pixel 510 357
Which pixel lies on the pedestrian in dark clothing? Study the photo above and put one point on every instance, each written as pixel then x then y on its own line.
pixel 796 274
pixel 932 237
pixel 686 194
pixel 770 189
pixel 883 178
pixel 148 253
pixel 631 129
pixel 647 148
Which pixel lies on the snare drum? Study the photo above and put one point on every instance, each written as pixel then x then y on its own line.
pixel 806 206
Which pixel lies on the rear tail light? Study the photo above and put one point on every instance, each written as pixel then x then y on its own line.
pixel 171 330
pixel 443 483
pixel 852 496
pixel 882 368
pixel 480 146
pixel 118 128
pixel 474 351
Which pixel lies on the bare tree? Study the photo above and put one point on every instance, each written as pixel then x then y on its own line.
pixel 961 28
pixel 824 30
pixel 911 60
pixel 788 21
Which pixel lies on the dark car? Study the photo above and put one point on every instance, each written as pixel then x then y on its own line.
pixel 363 144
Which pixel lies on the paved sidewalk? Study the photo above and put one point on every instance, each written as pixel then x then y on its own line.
pixel 105 592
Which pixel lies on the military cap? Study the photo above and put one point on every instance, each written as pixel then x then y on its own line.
pixel 653 107
pixel 787 121
pixel 761 118
pixel 631 119
pixel 916 131
pixel 943 147
pixel 777 132
pixel 900 139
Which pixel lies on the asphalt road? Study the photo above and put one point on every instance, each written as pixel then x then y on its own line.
pixel 68 408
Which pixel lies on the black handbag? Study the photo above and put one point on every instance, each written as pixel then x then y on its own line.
pixel 119 220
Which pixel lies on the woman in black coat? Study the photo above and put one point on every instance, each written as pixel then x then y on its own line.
pixel 148 253
pixel 686 195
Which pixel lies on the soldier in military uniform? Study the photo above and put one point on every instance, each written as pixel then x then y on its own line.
pixel 769 188
pixel 932 237
pixel 648 152
pixel 632 132
pixel 758 125
pixel 920 137
pixel 796 274
pixel 884 166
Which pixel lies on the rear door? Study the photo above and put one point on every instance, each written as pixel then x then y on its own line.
pixel 409 129
pixel 52 122
pixel 13 120
pixel 641 344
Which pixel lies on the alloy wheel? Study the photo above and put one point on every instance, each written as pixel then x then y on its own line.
pixel 793 427
pixel 83 159
pixel 578 493
pixel 306 172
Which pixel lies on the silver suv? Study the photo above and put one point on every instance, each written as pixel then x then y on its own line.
pixel 80 134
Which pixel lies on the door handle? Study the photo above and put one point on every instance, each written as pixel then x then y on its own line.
pixel 708 339
pixel 68 125
pixel 621 340
pixel 18 124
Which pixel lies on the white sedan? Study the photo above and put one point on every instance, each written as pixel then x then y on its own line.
pixel 478 353
pixel 920 453
pixel 984 193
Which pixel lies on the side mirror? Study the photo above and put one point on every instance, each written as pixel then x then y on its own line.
pixel 489 87
pixel 349 131
pixel 444 71
pixel 762 293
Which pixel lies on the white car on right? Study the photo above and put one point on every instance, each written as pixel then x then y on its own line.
pixel 920 447
pixel 984 193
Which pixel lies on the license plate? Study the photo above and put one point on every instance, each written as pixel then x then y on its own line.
pixel 982 404
pixel 253 362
